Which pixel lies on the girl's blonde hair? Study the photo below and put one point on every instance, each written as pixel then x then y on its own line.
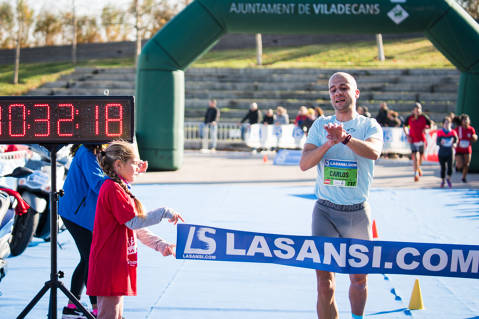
pixel 123 151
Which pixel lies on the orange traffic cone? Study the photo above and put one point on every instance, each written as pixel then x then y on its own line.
pixel 415 303
pixel 265 158
pixel 375 230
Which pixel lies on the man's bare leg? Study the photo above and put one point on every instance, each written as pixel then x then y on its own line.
pixel 326 305
pixel 358 293
pixel 415 164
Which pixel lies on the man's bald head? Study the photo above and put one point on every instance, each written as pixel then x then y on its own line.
pixel 346 76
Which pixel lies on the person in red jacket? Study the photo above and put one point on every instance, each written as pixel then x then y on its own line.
pixel 467 135
pixel 119 221
pixel 415 127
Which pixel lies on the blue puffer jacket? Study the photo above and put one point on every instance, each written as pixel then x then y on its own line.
pixel 81 187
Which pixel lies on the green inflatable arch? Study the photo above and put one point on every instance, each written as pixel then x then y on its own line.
pixel 160 89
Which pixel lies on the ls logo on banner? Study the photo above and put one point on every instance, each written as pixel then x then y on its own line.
pixel 342 255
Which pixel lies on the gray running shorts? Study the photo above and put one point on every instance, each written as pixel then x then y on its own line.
pixel 344 221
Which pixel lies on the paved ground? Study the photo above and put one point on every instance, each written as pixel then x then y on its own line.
pixel 241 191
pixel 255 168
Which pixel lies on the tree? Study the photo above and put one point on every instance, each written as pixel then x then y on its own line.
pixel 161 15
pixel 7 37
pixel 88 31
pixel 27 19
pixel 48 26
pixel 471 6
pixel 114 23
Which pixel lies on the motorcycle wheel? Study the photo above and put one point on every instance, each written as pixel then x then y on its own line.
pixel 22 233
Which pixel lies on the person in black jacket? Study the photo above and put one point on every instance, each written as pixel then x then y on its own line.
pixel 212 117
pixel 253 116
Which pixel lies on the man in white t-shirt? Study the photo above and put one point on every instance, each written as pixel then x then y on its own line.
pixel 343 147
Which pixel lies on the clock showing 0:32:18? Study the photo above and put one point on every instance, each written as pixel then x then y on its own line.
pixel 65 119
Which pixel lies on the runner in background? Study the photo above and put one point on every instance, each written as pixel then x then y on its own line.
pixel 446 139
pixel 415 127
pixel 467 135
pixel 343 147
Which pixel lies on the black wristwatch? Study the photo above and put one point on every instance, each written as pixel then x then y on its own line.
pixel 346 139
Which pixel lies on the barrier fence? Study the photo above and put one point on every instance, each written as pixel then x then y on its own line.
pixel 292 137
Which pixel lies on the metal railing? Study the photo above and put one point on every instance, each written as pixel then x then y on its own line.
pixel 227 132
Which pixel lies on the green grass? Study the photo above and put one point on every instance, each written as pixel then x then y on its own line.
pixel 400 54
pixel 403 54
pixel 33 75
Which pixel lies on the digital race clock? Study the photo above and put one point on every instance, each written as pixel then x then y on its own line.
pixel 66 119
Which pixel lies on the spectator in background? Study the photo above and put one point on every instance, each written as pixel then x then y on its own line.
pixel 212 117
pixel 363 110
pixel 301 117
pixel 382 116
pixel 282 117
pixel 415 127
pixel 446 140
pixel 466 135
pixel 269 117
pixel 318 112
pixel 309 120
pixel 455 120
pixel 253 116
pixel 393 119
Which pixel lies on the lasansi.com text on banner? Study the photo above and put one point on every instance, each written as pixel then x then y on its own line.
pixel 343 255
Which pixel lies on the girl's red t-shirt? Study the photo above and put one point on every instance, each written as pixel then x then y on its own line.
pixel 113 255
pixel 465 138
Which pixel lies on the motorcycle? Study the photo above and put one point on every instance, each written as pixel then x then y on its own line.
pixel 6 226
pixel 25 219
pixel 35 188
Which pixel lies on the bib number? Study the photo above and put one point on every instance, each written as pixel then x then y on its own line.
pixel 464 144
pixel 340 173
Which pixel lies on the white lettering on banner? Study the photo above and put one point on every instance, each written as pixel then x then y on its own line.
pixel 309 250
pixel 282 243
pixel 377 256
pixel 426 259
pixel 305 8
pixel 259 245
pixel 230 246
pixel 330 251
pixel 209 242
pixel 358 251
pixel 401 256
pixel 201 244
pixel 471 261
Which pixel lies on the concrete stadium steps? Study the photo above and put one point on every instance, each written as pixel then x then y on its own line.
pixel 235 89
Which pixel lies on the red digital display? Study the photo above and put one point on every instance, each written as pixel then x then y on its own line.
pixel 66 119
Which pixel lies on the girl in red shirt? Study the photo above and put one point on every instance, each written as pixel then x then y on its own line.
pixel 119 221
pixel 467 136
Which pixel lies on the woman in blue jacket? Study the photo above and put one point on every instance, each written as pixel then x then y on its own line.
pixel 77 210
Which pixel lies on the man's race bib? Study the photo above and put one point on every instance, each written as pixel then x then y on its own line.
pixel 340 173
pixel 464 144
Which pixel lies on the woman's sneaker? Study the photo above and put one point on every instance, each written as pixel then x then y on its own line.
pixel 449 184
pixel 75 313
pixel 72 313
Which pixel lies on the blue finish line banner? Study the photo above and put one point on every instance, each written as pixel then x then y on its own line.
pixel 342 255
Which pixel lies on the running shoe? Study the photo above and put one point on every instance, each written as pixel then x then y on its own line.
pixel 72 313
pixel 419 171
pixel 442 184
pixel 449 184
pixel 75 313
pixel 464 180
pixel 416 178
